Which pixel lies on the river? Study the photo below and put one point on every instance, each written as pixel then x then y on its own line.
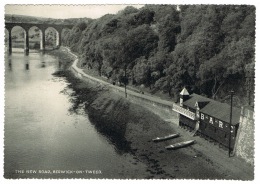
pixel 44 138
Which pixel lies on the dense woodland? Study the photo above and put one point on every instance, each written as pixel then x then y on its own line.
pixel 209 49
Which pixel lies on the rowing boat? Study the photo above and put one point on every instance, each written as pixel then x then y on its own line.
pixel 171 136
pixel 180 145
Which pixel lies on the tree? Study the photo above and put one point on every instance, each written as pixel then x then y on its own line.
pixel 141 71
pixel 81 25
pixel 213 76
pixel 168 28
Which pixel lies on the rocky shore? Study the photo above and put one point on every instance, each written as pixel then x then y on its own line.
pixel 131 127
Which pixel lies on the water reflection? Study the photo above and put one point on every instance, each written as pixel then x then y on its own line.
pixel 116 137
pixel 82 97
pixel 43 63
pixel 10 64
pixel 27 66
pixel 27 63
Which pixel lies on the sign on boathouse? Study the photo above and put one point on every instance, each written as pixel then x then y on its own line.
pixel 211 116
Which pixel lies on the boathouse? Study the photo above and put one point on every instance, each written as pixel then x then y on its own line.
pixel 208 117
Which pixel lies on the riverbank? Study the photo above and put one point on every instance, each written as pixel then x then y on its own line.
pixel 131 127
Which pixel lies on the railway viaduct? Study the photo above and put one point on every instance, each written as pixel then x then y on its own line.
pixel 42 27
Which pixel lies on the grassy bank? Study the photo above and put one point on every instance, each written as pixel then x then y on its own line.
pixel 131 127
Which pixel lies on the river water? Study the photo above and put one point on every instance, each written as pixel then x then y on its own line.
pixel 43 137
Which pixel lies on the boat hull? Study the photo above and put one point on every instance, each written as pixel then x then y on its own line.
pixel 159 139
pixel 180 145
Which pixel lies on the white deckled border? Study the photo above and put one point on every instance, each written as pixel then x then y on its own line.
pixel 3 2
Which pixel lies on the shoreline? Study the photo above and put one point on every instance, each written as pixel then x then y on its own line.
pixel 137 126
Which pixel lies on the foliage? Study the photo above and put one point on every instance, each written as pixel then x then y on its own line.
pixel 203 47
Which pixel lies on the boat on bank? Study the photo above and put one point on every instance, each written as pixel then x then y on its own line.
pixel 167 137
pixel 180 145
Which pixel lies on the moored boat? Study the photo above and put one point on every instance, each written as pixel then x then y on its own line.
pixel 180 145
pixel 171 136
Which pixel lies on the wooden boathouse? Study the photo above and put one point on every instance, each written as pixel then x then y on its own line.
pixel 208 117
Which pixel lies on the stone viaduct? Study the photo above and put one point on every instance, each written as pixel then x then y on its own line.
pixel 42 26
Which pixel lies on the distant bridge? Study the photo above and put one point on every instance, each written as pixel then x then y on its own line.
pixel 42 27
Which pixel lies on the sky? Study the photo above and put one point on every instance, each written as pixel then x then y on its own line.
pixel 65 11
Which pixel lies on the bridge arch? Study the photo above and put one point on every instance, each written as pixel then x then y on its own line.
pixel 52 36
pixel 35 37
pixel 18 37
pixel 22 37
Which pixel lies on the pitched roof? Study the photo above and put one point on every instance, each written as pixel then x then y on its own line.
pixel 214 108
pixel 184 92
pixel 201 104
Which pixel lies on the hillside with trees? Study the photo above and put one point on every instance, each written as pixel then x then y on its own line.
pixel 41 20
pixel 209 49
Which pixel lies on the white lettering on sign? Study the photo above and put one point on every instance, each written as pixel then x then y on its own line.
pixel 211 120
pixel 181 102
pixel 220 124
pixel 196 104
pixel 202 116
pixel 184 112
